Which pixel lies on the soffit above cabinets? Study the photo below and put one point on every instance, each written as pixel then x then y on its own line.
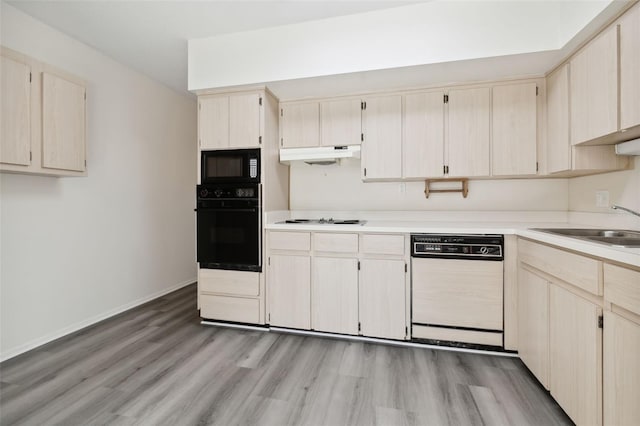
pixel 425 44
pixel 152 38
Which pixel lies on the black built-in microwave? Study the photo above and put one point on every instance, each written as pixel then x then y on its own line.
pixel 230 166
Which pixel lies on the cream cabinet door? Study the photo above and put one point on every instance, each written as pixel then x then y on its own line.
pixel 533 324
pixel 63 123
pixel 382 146
pixel 300 125
pixel 594 88
pixel 289 289
pixel 341 122
pixel 468 132
pixel 558 146
pixel 382 299
pixel 575 356
pixel 244 120
pixel 15 123
pixel 514 134
pixel 423 127
pixel 213 122
pixel 621 371
pixel 630 68
pixel 334 306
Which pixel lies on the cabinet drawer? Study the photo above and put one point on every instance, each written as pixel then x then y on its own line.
pixel 337 243
pixel 622 287
pixel 230 282
pixel 382 244
pixel 290 240
pixel 230 309
pixel 580 271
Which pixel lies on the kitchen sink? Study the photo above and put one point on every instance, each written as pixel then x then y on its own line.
pixel 611 237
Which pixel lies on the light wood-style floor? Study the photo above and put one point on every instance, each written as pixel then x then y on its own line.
pixel 156 365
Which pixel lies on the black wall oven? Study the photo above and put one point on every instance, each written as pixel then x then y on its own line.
pixel 234 166
pixel 229 226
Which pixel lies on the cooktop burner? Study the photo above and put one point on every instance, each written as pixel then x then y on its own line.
pixel 323 221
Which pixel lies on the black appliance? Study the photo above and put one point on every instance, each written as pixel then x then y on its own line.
pixel 230 166
pixel 472 247
pixel 229 226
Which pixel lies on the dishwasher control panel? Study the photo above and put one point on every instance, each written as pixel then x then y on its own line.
pixel 472 247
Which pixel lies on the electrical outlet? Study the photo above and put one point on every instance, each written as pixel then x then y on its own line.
pixel 402 187
pixel 602 198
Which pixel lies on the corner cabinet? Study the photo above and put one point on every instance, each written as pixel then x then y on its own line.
pixel 563 158
pixel 43 118
pixel 560 335
pixel 594 88
pixel 533 323
pixel 229 121
pixel 605 84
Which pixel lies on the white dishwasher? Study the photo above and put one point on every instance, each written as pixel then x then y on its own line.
pixel 457 289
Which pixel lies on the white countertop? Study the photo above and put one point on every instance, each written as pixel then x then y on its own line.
pixel 630 256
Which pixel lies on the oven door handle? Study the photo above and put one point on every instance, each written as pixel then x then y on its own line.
pixel 256 209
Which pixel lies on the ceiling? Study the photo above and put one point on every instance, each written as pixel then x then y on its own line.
pixel 151 37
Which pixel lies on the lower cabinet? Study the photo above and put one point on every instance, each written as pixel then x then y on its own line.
pixel 346 283
pixel 236 296
pixel 383 299
pixel 621 373
pixel 621 352
pixel 575 356
pixel 289 291
pixel 559 334
pixel 335 295
pixel 533 323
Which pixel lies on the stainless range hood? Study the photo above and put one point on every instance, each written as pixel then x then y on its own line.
pixel 319 155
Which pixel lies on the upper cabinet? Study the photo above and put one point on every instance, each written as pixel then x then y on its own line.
pixel 423 141
pixel 382 128
pixel 341 122
pixel 594 88
pixel 213 122
pixel 558 146
pixel 63 123
pixel 321 123
pixel 630 68
pixel 514 124
pixel 229 121
pixel 300 125
pixel 16 112
pixel 564 159
pixel 605 85
pixel 43 123
pixel 469 133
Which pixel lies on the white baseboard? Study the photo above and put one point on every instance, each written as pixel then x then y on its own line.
pixel 90 321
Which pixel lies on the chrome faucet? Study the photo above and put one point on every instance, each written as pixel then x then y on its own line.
pixel 616 207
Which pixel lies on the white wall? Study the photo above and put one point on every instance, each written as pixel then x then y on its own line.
pixel 417 34
pixel 339 187
pixel 75 250
pixel 623 188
